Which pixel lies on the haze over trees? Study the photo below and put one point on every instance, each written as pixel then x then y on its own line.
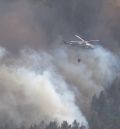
pixel 106 108
pixel 50 125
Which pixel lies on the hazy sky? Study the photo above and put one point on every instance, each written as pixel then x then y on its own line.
pixel 40 24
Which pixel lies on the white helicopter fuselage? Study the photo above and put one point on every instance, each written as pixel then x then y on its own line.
pixel 81 44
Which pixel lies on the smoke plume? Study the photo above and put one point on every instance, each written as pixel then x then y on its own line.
pixel 32 91
pixel 38 86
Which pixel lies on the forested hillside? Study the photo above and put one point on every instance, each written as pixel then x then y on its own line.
pixel 106 108
pixel 50 125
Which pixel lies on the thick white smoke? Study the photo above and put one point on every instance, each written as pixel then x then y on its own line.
pixel 37 86
pixel 31 91
pixel 97 69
